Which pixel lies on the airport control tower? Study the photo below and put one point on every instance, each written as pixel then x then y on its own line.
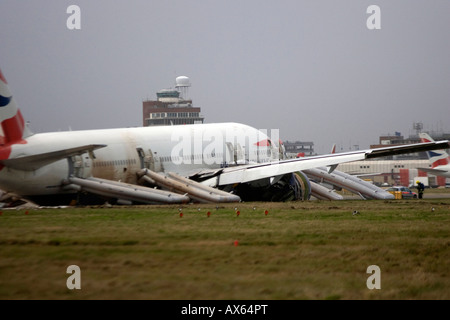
pixel 172 106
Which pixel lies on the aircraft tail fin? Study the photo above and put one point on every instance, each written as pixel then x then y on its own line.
pixel 12 124
pixel 333 148
pixel 436 157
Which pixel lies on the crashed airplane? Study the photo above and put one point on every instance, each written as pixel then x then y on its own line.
pixel 217 162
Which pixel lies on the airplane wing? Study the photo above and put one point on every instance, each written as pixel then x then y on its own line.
pixel 433 171
pixel 33 162
pixel 248 173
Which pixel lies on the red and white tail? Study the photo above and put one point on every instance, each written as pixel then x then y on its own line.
pixel 13 128
pixel 436 157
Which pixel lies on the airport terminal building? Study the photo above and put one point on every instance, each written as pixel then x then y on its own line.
pixel 299 148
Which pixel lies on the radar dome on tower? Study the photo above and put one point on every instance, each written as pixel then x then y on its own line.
pixel 182 83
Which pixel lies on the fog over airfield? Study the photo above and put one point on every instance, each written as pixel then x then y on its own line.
pixel 312 69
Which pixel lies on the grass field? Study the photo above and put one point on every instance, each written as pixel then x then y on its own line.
pixel 298 250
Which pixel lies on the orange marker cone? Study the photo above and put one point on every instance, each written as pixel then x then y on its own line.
pixel 236 243
pixel 208 214
pixel 266 212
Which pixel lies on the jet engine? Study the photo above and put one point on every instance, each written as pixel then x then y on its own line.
pixel 288 187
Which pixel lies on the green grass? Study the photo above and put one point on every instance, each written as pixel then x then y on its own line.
pixel 300 250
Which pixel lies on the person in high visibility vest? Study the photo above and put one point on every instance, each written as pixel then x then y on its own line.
pixel 420 188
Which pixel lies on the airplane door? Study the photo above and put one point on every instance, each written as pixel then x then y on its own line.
pixel 239 155
pixel 149 160
pixel 229 155
pixel 80 166
pixel 234 154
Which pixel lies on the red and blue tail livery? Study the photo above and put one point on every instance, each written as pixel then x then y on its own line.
pixel 439 159
pixel 13 125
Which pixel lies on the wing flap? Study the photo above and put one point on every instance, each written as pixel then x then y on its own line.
pixel 36 161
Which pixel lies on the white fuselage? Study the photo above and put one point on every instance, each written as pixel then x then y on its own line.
pixel 181 149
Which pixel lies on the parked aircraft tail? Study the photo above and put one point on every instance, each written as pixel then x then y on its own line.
pixel 13 128
pixel 436 157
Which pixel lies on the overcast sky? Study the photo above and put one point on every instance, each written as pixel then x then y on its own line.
pixel 312 69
